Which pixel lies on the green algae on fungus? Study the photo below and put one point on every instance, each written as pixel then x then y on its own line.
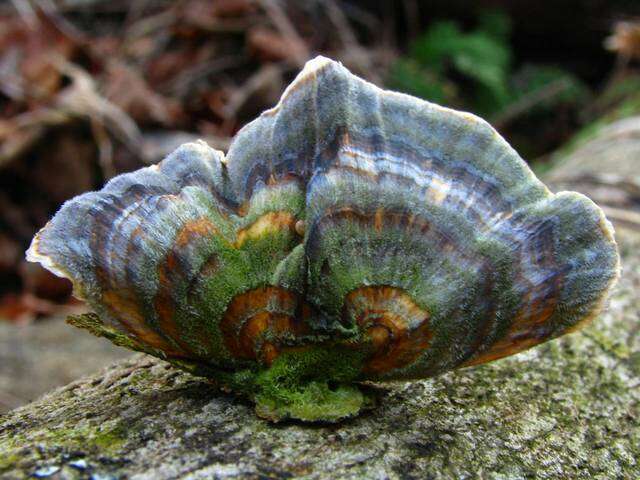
pixel 349 235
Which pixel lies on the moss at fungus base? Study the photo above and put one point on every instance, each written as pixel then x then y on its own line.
pixel 315 384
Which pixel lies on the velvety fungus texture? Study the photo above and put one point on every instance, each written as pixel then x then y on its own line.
pixel 350 234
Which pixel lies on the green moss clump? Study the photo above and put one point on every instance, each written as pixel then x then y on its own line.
pixel 111 439
pixel 8 461
pixel 315 401
pixel 313 385
pixel 92 323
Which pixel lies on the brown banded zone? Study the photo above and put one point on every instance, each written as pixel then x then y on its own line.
pixel 346 213
pixel 509 284
pixel 105 241
pixel 394 327
pixel 510 263
pixel 260 323
pixel 147 251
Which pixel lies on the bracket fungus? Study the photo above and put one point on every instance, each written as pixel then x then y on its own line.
pixel 350 234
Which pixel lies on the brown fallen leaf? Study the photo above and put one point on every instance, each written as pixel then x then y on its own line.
pixel 42 284
pixel 10 253
pixel 233 8
pixel 127 89
pixel 268 45
pixel 24 308
pixel 26 67
pixel 625 40
pixel 207 15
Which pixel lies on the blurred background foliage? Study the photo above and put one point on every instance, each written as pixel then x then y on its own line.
pixel 444 58
pixel 93 88
pixel 474 70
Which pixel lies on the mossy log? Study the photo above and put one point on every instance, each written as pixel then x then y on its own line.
pixel 567 409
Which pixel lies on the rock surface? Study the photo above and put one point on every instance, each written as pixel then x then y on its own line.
pixel 567 409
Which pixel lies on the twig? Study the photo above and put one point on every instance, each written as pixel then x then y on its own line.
pixel 136 10
pixel 629 185
pixel 25 130
pixel 148 25
pixel 412 13
pixel 281 21
pixel 50 10
pixel 630 218
pixel 26 12
pixel 361 16
pixel 528 102
pixel 356 54
pixel 266 75
pixel 157 145
pixel 79 100
pixel 84 99
pixel 183 82
pixel 105 148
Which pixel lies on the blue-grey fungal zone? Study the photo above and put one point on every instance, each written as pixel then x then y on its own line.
pixel 349 234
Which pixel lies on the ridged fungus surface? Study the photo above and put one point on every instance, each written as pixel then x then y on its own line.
pixel 350 234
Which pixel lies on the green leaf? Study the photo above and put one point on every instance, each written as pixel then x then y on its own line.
pixel 408 76
pixel 495 23
pixel 482 56
pixel 550 86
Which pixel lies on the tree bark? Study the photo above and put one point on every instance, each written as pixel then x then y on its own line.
pixel 567 409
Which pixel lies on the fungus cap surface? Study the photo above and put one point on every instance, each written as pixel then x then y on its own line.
pixel 406 238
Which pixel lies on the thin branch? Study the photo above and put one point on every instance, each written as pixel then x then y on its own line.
pixel 283 24
pixel 528 102
pixel 355 53
pixel 266 75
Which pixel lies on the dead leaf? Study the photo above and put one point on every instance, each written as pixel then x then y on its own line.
pixel 127 89
pixel 10 253
pixel 21 309
pixel 42 283
pixel 625 40
pixel 269 45
pixel 27 68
